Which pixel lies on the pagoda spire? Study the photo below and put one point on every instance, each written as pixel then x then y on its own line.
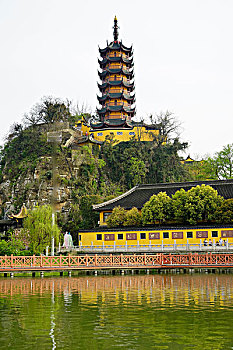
pixel 115 30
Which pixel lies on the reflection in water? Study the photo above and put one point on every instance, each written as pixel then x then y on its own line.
pixel 163 289
pixel 155 311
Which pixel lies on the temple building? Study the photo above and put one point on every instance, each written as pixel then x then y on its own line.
pixel 140 194
pixel 116 98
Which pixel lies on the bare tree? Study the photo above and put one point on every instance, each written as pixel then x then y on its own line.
pixel 168 125
pixel 48 111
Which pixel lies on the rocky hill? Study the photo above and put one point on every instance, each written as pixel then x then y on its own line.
pixel 31 166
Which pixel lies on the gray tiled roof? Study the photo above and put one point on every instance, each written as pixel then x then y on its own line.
pixel 139 195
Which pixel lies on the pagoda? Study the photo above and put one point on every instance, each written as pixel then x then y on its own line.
pixel 117 96
pixel 114 116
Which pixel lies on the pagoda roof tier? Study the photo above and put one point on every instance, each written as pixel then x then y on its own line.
pixel 103 74
pixel 120 58
pixel 115 122
pixel 115 109
pixel 116 95
pixel 111 123
pixel 116 46
pixel 116 83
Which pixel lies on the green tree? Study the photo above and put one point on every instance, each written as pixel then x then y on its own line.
pixel 132 162
pixel 137 171
pixel 38 225
pixel 157 209
pixel 89 218
pixel 198 204
pixel 117 218
pixel 132 217
pixel 218 167
pixel 224 213
pixel 13 246
pixel 179 203
pixel 221 165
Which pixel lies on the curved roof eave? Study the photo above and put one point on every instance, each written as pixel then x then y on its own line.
pixel 98 206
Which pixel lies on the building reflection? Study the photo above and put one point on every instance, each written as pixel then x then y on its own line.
pixel 162 289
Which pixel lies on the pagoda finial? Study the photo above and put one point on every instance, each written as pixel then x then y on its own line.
pixel 115 29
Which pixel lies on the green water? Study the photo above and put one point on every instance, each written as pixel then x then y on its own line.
pixel 119 312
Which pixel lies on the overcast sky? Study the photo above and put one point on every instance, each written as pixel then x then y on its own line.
pixel 183 54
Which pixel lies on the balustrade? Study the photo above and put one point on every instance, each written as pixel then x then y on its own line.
pixel 97 261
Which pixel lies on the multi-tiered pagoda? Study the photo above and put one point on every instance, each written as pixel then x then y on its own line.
pixel 116 99
pixel 117 96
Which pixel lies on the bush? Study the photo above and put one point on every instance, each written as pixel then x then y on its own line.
pixel 157 209
pixel 13 246
pixel 117 218
pixel 224 213
pixel 132 218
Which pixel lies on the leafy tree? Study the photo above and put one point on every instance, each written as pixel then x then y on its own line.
pixel 38 224
pixel 132 217
pixel 129 163
pixel 218 167
pixel 224 213
pixel 198 204
pixel 137 170
pixel 12 246
pixel 117 218
pixel 179 203
pixel 221 165
pixel 89 218
pixel 157 209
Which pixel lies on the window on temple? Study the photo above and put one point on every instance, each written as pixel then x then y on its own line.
pixel 99 237
pixel 143 235
pixel 214 234
pixel 189 235
pixel 105 216
pixel 115 102
pixel 120 235
pixel 165 234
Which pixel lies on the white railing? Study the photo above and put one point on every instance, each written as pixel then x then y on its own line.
pixel 175 247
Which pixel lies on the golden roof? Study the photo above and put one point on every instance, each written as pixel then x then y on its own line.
pixel 22 214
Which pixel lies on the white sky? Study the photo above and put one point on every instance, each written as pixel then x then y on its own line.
pixel 183 56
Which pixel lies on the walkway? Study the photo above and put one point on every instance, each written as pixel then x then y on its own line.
pixel 119 261
pixel 150 248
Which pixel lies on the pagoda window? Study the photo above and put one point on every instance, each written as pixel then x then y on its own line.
pixel 115 77
pixel 115 102
pixel 115 54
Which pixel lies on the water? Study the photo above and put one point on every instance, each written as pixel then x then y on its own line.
pixel 119 312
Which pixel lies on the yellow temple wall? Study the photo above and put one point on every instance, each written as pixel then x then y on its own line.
pixel 140 133
pixel 90 237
